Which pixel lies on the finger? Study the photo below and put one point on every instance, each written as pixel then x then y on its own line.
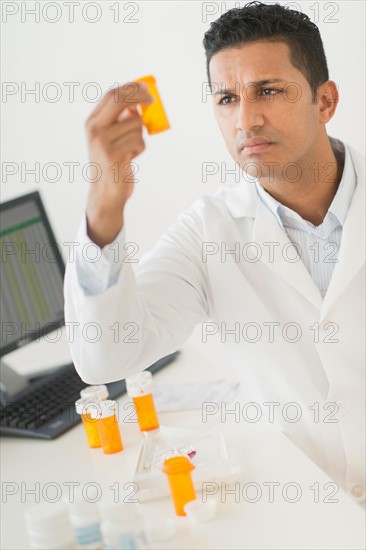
pixel 101 104
pixel 116 100
pixel 127 147
pixel 131 140
pixel 134 110
pixel 120 128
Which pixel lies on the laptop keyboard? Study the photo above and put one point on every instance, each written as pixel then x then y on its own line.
pixel 46 407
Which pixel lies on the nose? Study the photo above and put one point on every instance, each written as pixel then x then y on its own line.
pixel 249 114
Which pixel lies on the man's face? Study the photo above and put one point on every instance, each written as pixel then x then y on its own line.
pixel 280 111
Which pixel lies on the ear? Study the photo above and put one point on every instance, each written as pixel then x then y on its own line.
pixel 328 98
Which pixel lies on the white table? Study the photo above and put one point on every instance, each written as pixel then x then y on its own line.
pixel 265 455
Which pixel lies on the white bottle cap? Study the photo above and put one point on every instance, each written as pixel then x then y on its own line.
pixel 95 392
pixel 84 505
pixel 161 528
pixel 87 406
pixel 49 527
pixel 198 511
pixel 139 384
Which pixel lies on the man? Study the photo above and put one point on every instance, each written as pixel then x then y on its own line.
pixel 278 259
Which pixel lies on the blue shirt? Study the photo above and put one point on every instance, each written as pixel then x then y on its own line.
pixel 319 245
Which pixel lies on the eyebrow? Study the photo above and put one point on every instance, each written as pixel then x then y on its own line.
pixel 256 84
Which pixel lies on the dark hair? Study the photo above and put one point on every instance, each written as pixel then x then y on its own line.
pixel 272 23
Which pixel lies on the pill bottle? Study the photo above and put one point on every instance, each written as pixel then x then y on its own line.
pixel 84 407
pixel 139 388
pixel 99 393
pixel 178 469
pixel 122 526
pixel 153 114
pixel 107 426
pixel 49 528
pixel 85 519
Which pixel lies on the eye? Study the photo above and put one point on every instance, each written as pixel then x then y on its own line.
pixel 223 100
pixel 270 91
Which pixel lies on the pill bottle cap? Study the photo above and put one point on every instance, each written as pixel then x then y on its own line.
pixel 198 511
pixel 95 392
pixel 139 384
pixel 87 406
pixel 47 523
pixel 160 528
pixel 177 465
pixel 84 504
pixel 49 516
pixel 103 409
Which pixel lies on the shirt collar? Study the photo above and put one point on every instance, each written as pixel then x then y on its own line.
pixel 336 215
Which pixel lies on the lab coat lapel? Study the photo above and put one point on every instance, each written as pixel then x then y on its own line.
pixel 351 256
pixel 267 230
pixel 243 201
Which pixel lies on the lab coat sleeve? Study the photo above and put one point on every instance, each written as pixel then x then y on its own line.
pixel 119 328
pixel 98 269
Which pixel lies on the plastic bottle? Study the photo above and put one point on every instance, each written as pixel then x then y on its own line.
pixel 178 469
pixel 85 520
pixel 139 388
pixel 107 426
pixel 49 528
pixel 153 114
pixel 121 527
pixel 84 407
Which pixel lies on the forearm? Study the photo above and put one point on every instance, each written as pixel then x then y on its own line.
pixel 105 218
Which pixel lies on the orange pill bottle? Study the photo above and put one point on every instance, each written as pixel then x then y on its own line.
pixel 85 407
pixel 178 470
pixel 107 426
pixel 139 388
pixel 153 114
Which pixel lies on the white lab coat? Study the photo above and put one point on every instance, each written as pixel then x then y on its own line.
pixel 284 360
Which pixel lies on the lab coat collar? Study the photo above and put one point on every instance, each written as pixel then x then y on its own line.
pixel 243 201
pixel 286 260
pixel 351 257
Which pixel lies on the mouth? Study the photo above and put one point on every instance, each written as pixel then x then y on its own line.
pixel 251 149
pixel 254 145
